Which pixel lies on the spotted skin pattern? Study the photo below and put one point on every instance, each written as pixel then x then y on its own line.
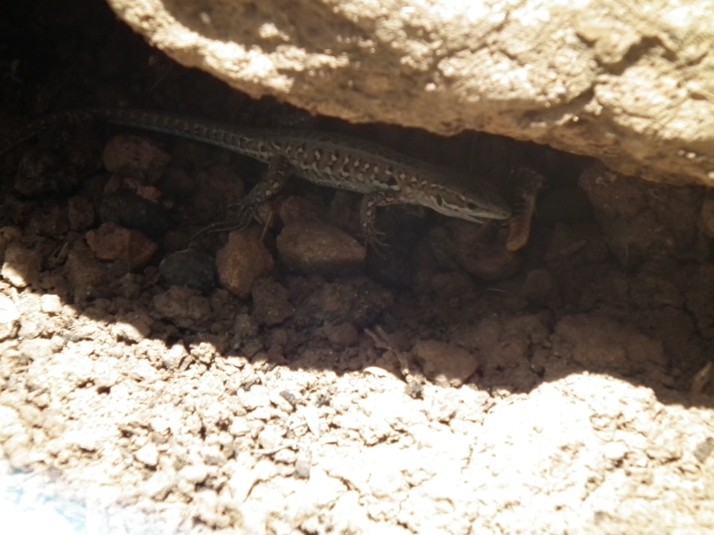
pixel 385 177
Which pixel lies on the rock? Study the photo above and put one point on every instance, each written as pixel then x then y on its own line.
pixel 134 155
pixel 148 455
pixel 117 244
pixel 478 249
pixel 51 220
pixel 9 318
pixel 80 213
pixel 318 248
pixel 159 485
pixel 8 235
pixel 601 79
pixel 22 265
pixel 129 210
pixel 601 343
pixel 40 171
pixel 242 261
pixel 194 473
pixel 639 218
pixel 445 364
pixel 85 275
pixel 295 209
pixel 190 268
pixel 342 335
pixel 184 306
pixel 50 304
pixel 270 303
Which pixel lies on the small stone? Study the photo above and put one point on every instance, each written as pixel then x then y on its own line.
pixel 317 248
pixel 244 327
pixel 85 439
pixel 85 275
pixel 445 364
pixel 342 335
pixel 41 171
pixel 478 249
pixel 50 221
pixel 258 396
pixel 194 473
pixel 129 210
pixel 190 268
pixel 269 438
pixel 242 261
pixel 183 306
pixel 302 465
pixel 36 348
pixel 148 455
pixel 114 243
pixel 280 402
pixel 133 327
pixel 22 265
pixel 160 425
pixel 159 485
pixel 8 235
pixel 270 303
pixel 539 287
pixel 105 374
pixel 615 451
pixel 9 318
pixel 128 154
pixel 30 414
pixel 32 325
pixel 294 209
pixel 172 358
pixel 239 427
pixel 51 304
pixel 704 449
pixel 80 213
pixel 285 456
pixel 18 449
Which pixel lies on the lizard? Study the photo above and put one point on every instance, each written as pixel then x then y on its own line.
pixel 384 176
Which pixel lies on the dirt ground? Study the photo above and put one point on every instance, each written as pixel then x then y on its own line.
pixel 259 384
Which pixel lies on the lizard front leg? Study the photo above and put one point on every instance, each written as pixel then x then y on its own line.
pixel 275 178
pixel 368 213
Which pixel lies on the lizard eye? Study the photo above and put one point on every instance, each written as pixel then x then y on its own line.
pixel 439 200
pixel 471 205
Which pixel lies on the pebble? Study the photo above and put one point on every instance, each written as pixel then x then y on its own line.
pixel 242 261
pixel 194 473
pixel 127 209
pixel 84 273
pixel 270 303
pixel 127 154
pixel 445 364
pixel 159 485
pixel 21 267
pixel 317 248
pixel 184 306
pixel 148 455
pixel 190 268
pixel 9 318
pixel 114 243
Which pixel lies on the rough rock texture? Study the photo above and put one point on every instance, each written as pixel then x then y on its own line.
pixel 630 83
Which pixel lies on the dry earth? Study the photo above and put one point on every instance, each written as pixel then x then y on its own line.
pixel 568 393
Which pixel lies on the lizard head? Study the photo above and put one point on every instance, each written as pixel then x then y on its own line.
pixel 472 202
